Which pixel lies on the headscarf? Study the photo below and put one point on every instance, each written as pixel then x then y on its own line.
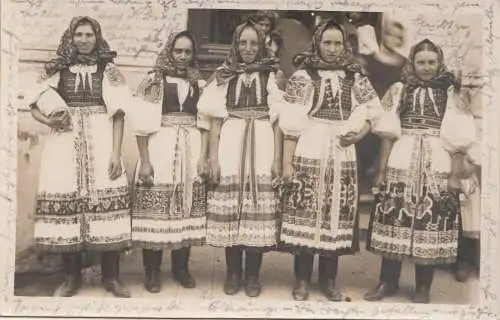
pixel 67 54
pixel 443 78
pixel 234 65
pixel 312 59
pixel 165 65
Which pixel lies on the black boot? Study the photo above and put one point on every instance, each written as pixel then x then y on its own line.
pixel 423 276
pixel 390 272
pixel 180 260
pixel 73 275
pixel 328 267
pixel 152 262
pixel 253 262
pixel 303 266
pixel 110 268
pixel 234 257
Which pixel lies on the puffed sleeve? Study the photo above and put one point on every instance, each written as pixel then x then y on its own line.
pixel 147 110
pixel 44 96
pixel 297 102
pixel 458 131
pixel 115 91
pixel 274 98
pixel 366 105
pixel 387 124
pixel 212 101
pixel 474 152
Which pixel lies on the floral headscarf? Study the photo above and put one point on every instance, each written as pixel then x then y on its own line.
pixel 67 54
pixel 234 66
pixel 443 79
pixel 165 66
pixel 312 58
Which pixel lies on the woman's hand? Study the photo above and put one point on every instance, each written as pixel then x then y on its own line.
pixel 214 172
pixel 203 168
pixel 146 174
pixel 288 172
pixel 349 139
pixel 378 180
pixel 276 169
pixel 454 183
pixel 59 120
pixel 115 169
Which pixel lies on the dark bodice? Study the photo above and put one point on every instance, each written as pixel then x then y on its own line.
pixel 415 115
pixel 336 107
pixel 248 95
pixel 171 99
pixel 86 94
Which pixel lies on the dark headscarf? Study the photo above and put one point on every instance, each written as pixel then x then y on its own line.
pixel 234 65
pixel 442 80
pixel 67 54
pixel 312 59
pixel 165 65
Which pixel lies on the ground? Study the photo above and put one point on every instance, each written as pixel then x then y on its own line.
pixel 356 275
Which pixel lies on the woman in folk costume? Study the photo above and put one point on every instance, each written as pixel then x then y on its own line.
pixel 245 155
pixel 424 134
pixel 169 206
pixel 329 107
pixel 83 200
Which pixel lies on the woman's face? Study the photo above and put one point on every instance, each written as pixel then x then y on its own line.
pixel 393 37
pixel 183 52
pixel 331 44
pixel 265 25
pixel 426 64
pixel 248 45
pixel 84 39
pixel 274 47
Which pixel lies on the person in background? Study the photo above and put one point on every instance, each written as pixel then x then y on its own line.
pixel 329 104
pixel 365 39
pixel 416 215
pixel 83 200
pixel 169 206
pixel 276 46
pixel 384 67
pixel 266 21
pixel 245 149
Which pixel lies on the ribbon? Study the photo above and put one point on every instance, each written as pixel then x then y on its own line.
pixel 84 149
pixel 420 165
pixel 181 170
pixel 249 115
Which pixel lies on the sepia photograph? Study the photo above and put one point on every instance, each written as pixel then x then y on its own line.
pixel 236 156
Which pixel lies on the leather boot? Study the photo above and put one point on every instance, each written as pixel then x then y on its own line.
pixel 73 274
pixel 303 266
pixel 423 276
pixel 180 261
pixel 234 257
pixel 327 270
pixel 110 268
pixel 390 272
pixel 152 262
pixel 253 262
